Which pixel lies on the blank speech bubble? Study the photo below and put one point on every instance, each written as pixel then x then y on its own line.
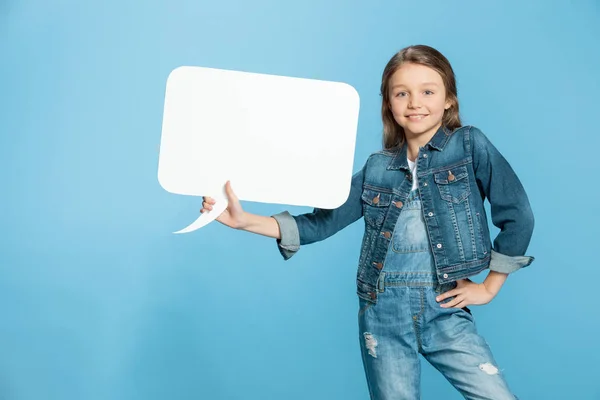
pixel 279 140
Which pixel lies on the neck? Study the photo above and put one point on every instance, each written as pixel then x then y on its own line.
pixel 416 141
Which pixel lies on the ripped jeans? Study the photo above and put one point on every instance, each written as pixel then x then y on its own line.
pixel 407 321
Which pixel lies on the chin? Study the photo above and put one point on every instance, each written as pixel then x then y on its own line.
pixel 417 129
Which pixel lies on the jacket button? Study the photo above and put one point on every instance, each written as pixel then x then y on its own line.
pixel 378 265
pixel 445 276
pixel 399 204
pixel 439 245
pixel 387 235
pixel 373 295
pixel 376 200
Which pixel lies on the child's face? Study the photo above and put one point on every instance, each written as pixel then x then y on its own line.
pixel 417 99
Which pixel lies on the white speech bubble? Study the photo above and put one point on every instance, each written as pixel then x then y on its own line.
pixel 279 140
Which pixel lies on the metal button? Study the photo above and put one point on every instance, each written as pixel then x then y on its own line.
pixel 399 204
pixel 378 265
pixel 424 155
pixel 387 235
pixel 430 214
pixel 445 276
pixel 373 295
pixel 414 317
pixel 376 200
pixel 425 184
pixel 439 245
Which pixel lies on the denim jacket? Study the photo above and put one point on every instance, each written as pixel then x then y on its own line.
pixel 456 171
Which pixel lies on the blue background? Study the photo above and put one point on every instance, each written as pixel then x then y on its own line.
pixel 99 300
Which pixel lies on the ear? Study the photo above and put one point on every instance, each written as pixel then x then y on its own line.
pixel 448 105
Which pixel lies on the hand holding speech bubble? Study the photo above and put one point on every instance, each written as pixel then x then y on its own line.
pixel 280 140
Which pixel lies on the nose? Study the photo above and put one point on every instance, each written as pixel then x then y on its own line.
pixel 414 102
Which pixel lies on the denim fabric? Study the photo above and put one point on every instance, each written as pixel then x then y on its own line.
pixel 457 171
pixel 407 322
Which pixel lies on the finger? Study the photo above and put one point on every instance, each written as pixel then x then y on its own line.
pixel 207 206
pixel 229 190
pixel 453 302
pixel 462 304
pixel 209 200
pixel 448 294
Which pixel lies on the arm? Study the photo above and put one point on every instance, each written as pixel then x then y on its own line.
pixel 320 223
pixel 293 231
pixel 266 226
pixel 511 211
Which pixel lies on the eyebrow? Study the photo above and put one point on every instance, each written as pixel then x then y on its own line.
pixel 423 84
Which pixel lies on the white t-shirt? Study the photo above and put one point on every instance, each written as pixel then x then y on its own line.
pixel 413 169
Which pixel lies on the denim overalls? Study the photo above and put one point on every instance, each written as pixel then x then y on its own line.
pixel 407 321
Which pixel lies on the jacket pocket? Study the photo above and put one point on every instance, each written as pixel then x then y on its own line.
pixel 453 184
pixel 375 205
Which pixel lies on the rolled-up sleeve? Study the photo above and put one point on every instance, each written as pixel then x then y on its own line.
pixel 508 264
pixel 289 243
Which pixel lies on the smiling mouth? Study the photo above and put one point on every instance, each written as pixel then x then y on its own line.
pixel 416 117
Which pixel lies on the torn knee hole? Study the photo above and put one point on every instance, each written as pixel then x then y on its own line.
pixel 488 368
pixel 370 344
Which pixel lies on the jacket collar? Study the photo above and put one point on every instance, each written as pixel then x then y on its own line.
pixel 437 142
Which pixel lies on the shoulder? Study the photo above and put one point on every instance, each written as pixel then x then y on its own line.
pixel 474 138
pixel 384 155
pixel 380 161
pixel 468 131
pixel 389 153
pixel 473 133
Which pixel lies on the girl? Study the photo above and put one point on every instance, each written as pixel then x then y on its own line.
pixel 426 232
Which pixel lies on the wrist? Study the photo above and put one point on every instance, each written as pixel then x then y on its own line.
pixel 244 222
pixel 494 281
pixel 489 289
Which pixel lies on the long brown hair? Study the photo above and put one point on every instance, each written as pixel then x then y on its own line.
pixel 393 134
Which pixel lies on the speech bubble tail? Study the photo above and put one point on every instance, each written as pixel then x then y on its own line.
pixel 206 218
